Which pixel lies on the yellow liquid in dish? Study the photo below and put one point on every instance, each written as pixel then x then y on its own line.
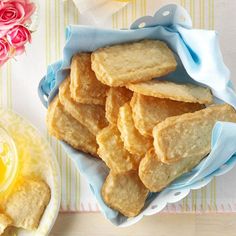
pixel 4 162
pixel 3 170
pixel 8 161
pixel 28 153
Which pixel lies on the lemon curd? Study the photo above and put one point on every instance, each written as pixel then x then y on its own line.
pixel 4 161
pixel 8 161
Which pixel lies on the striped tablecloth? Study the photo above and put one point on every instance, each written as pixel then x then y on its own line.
pixel 19 80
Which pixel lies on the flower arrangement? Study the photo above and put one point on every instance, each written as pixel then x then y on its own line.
pixel 15 17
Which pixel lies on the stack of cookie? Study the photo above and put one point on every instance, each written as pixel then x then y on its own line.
pixel 148 131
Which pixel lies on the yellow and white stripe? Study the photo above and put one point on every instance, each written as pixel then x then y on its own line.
pixel 57 17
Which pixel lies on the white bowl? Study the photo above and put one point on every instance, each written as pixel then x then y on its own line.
pixel 42 162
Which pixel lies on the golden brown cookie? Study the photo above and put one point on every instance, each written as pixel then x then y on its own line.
pixel 64 127
pixel 177 92
pixel 149 111
pixel 134 142
pixel 85 88
pixel 90 115
pixel 156 175
pixel 125 193
pixel 111 150
pixel 5 221
pixel 189 134
pixel 26 205
pixel 122 64
pixel 116 97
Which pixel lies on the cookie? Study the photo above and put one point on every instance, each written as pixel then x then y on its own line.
pixel 157 175
pixel 149 111
pixel 125 193
pixel 26 205
pixel 116 97
pixel 134 62
pixel 134 142
pixel 90 115
pixel 177 92
pixel 111 150
pixel 85 88
pixel 183 136
pixel 64 127
pixel 5 221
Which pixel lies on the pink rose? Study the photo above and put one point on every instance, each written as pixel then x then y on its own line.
pixel 18 36
pixel 14 12
pixel 4 51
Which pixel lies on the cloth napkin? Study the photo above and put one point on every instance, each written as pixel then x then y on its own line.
pixel 199 62
pixel 99 10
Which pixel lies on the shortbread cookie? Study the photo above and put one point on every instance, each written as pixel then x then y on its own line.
pixel 134 142
pixel 177 92
pixel 26 205
pixel 125 193
pixel 90 115
pixel 183 136
pixel 85 88
pixel 149 111
pixel 111 150
pixel 127 63
pixel 64 127
pixel 5 221
pixel 157 175
pixel 116 97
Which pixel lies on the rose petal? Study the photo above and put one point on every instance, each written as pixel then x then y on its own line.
pixel 29 10
pixel 20 50
pixel 13 12
pixel 4 49
pixel 18 36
